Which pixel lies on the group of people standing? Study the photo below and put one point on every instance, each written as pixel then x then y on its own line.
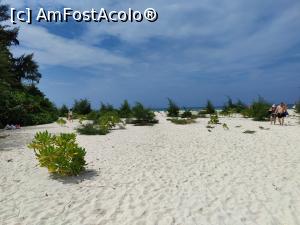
pixel 279 112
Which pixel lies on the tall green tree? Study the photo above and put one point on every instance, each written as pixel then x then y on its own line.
pixel 125 110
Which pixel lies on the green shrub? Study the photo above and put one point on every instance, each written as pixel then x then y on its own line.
pixel 142 115
pixel 187 114
pixel 59 154
pixel 91 129
pixel 82 107
pixel 210 109
pixel 231 108
pixel 173 109
pixel 109 120
pixel 93 115
pixel 125 110
pixel 182 121
pixel 214 119
pixel 258 110
pixel 20 107
pixel 297 107
pixel 61 122
pixel 106 108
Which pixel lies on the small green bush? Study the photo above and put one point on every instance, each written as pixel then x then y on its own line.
pixel 61 122
pixel 173 109
pixel 258 110
pixel 109 120
pixel 214 119
pixel 187 114
pixel 59 154
pixel 91 129
pixel 182 121
pixel 93 115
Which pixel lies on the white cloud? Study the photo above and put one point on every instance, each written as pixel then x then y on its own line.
pixel 50 49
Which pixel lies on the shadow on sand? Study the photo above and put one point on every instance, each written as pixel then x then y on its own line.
pixel 85 175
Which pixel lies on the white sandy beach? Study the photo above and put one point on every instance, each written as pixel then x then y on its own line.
pixel 162 175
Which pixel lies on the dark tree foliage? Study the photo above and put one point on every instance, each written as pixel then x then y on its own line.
pixel 231 107
pixel 82 107
pixel 20 103
pixel 142 115
pixel 173 109
pixel 258 110
pixel 105 108
pixel 63 111
pixel 298 107
pixel 125 110
pixel 210 109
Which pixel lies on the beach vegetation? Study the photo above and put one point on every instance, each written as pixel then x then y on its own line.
pixel 258 110
pixel 225 126
pixel 209 109
pixel 82 107
pixel 187 114
pixel 297 108
pixel 21 102
pixel 125 110
pixel 143 116
pixel 214 119
pixel 63 111
pixel 61 121
pixel 91 129
pixel 179 121
pixel 93 115
pixel 173 109
pixel 60 154
pixel 230 107
pixel 109 120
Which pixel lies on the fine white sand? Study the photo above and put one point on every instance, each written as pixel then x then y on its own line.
pixel 161 175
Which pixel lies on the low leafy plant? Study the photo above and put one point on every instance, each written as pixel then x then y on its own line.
pixel 182 121
pixel 61 121
pixel 109 120
pixel 59 154
pixel 214 119
pixel 91 129
pixel 187 114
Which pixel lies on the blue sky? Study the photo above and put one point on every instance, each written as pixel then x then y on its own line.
pixel 197 50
